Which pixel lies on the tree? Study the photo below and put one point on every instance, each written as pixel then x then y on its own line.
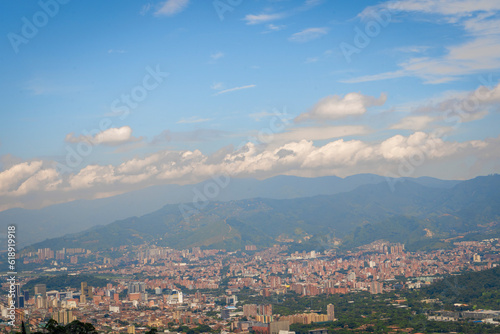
pixel 52 326
pixel 78 327
pixel 75 327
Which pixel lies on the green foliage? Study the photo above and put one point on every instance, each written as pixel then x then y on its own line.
pixel 182 328
pixel 75 327
pixel 481 289
pixel 396 229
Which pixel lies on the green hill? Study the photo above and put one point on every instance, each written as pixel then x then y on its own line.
pixel 407 212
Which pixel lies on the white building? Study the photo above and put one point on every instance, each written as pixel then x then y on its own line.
pixel 175 297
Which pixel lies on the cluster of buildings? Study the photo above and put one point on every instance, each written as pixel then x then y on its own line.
pixel 309 318
pixel 202 287
pixel 44 254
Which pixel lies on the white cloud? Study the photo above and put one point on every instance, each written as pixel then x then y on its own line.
pixel 450 109
pixel 453 9
pixel 33 185
pixel 272 27
pixel 335 107
pixel 93 176
pixel 262 18
pixel 486 95
pixel 252 19
pixel 172 7
pixel 414 123
pixel 27 177
pixel 12 177
pixel 421 145
pixel 217 86
pixel 308 34
pixel 480 52
pixel 216 56
pixel 110 137
pixel 45 179
pixel 234 89
pixel 462 107
pixel 479 55
pixel 136 165
pixel 339 152
pixel 376 77
pixel 290 152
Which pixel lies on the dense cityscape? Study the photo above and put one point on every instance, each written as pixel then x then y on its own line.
pixel 163 288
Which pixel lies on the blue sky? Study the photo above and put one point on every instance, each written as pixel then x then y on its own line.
pixel 104 97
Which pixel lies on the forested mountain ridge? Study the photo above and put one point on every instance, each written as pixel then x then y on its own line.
pixel 72 217
pixel 402 212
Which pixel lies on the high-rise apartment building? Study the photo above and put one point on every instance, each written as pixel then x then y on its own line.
pixel 86 293
pixel 40 296
pixel 376 287
pixel 63 317
pixel 330 312
pixel 275 282
pixel 265 309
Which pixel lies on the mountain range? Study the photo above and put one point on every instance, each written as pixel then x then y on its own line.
pixel 71 217
pixel 419 212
